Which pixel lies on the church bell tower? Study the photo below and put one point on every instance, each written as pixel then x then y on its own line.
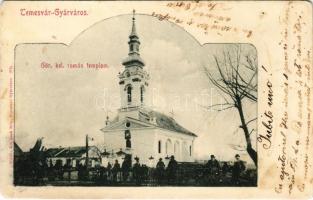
pixel 133 80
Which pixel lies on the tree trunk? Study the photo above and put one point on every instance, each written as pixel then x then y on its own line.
pixel 252 153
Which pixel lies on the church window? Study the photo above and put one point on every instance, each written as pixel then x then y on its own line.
pixel 127 134
pixel 160 147
pixel 136 80
pixel 128 143
pixel 141 93
pixel 131 47
pixel 190 150
pixel 129 94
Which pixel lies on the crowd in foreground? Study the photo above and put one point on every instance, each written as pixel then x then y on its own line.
pixel 211 173
pixel 127 173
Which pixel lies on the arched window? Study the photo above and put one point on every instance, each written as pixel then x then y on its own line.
pixel 129 94
pixel 142 89
pixel 160 146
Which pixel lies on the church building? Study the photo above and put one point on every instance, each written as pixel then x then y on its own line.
pixel 137 130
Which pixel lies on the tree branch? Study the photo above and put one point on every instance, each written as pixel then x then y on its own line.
pixel 251 120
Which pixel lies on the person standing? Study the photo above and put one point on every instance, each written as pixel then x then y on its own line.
pixel 160 170
pixel 213 170
pixel 172 170
pixel 116 170
pixel 109 171
pixel 126 165
pixel 238 168
pixel 137 171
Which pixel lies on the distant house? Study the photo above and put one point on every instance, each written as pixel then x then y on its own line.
pixel 72 156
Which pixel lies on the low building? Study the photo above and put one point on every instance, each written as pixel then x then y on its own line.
pixel 72 156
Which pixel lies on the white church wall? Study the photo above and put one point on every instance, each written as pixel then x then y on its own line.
pixel 114 140
pixel 143 145
pixel 136 94
pixel 142 142
pixel 177 144
pixel 129 113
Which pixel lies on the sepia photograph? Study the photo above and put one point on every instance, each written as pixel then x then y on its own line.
pixel 156 99
pixel 136 101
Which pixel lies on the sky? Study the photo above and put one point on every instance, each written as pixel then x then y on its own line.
pixel 63 105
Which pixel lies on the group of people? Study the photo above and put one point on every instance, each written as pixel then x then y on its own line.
pixel 213 170
pixel 119 173
pixel 168 174
pixel 212 173
pixel 140 172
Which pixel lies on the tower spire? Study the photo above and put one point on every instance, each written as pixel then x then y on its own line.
pixel 133 43
pixel 133 32
pixel 134 79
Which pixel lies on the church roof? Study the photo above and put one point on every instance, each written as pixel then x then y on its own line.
pixel 149 119
pixel 166 122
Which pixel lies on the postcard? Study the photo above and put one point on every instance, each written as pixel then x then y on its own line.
pixel 156 99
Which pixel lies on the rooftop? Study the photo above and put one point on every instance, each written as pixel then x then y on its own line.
pixel 149 119
pixel 169 123
pixel 77 151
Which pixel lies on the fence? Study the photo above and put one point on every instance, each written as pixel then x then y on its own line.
pixel 187 174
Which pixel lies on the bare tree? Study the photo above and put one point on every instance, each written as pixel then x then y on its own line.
pixel 237 81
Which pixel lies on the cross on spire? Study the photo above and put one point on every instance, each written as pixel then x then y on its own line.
pixel 133 32
pixel 172 113
pixel 133 43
